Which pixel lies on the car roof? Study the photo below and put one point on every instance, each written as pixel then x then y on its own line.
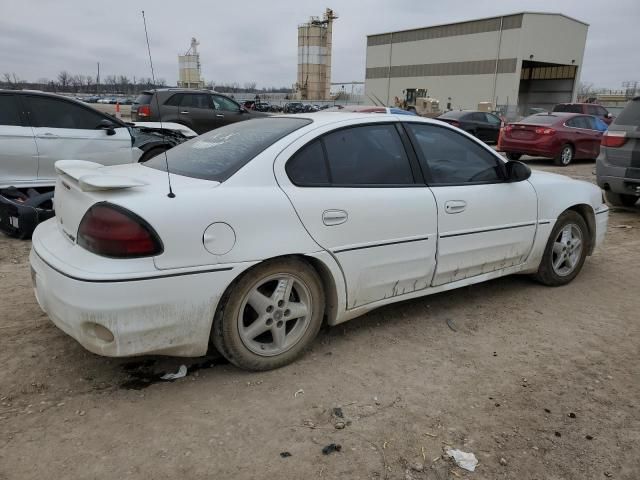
pixel 328 118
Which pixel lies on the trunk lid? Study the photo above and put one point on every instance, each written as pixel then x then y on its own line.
pixel 80 184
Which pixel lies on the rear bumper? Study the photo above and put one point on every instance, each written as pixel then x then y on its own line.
pixel 615 179
pixel 541 148
pixel 169 314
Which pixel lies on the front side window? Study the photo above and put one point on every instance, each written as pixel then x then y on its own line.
pixel 592 110
pixel 478 117
pixel 452 159
pixel 492 119
pixel 223 103
pixel 368 155
pixel 55 113
pixel 9 110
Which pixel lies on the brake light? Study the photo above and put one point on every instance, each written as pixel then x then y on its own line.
pixel 544 131
pixel 144 111
pixel 113 231
pixel 508 128
pixel 613 139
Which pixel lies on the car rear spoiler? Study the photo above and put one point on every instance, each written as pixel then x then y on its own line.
pixel 90 176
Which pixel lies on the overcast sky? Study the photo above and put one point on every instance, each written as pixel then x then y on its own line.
pixel 256 40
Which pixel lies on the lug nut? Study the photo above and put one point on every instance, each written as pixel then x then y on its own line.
pixel 279 324
pixel 270 309
pixel 280 303
pixel 269 321
pixel 287 312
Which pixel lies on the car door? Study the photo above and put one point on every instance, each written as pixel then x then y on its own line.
pixel 492 127
pixel 65 130
pixel 595 135
pixel 227 110
pixel 581 136
pixel 355 191
pixel 484 223
pixel 18 150
pixel 197 111
pixel 480 126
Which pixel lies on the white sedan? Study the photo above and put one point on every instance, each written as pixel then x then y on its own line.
pixel 278 224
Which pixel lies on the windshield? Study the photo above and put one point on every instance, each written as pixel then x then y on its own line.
pixel 218 154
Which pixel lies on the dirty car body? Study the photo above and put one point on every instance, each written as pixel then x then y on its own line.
pixel 279 224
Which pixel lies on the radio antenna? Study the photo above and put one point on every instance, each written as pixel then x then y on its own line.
pixel 153 78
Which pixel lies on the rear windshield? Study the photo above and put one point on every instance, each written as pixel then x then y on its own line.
pixel 630 115
pixel 218 154
pixel 543 119
pixel 143 99
pixel 568 108
pixel 453 114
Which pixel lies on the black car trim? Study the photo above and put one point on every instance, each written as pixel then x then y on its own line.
pixel 381 244
pixel 133 279
pixel 448 235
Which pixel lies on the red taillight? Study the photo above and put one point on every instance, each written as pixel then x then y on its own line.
pixel 508 128
pixel 113 231
pixel 544 131
pixel 613 139
pixel 144 111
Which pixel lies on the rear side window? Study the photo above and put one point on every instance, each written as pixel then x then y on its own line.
pixel 580 122
pixel 453 159
pixel 218 154
pixel 143 99
pixel 492 119
pixel 308 167
pixel 174 101
pixel 54 113
pixel 191 100
pixel 630 115
pixel 568 108
pixel 9 110
pixel 368 155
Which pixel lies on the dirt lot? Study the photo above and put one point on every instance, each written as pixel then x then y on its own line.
pixel 539 383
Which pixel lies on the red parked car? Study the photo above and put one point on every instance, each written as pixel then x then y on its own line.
pixel 561 136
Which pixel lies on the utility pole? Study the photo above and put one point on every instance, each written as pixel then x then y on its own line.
pixel 98 79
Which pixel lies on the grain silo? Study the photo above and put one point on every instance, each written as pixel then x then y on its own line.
pixel 189 75
pixel 314 57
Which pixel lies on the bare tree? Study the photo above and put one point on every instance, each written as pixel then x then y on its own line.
pixel 63 80
pixel 250 86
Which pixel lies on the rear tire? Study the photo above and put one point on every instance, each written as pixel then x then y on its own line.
pixel 514 156
pixel 565 156
pixel 566 250
pixel 155 151
pixel 620 199
pixel 270 316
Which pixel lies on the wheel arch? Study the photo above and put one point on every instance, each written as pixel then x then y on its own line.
pixel 589 216
pixel 328 282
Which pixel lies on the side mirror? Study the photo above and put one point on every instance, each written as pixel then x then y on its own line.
pixel 517 171
pixel 108 126
pixel 608 115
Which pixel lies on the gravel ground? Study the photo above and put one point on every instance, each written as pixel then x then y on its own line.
pixel 537 382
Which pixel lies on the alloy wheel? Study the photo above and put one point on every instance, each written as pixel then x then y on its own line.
pixel 567 250
pixel 274 314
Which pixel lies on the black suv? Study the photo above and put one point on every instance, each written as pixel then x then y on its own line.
pixel 618 165
pixel 200 110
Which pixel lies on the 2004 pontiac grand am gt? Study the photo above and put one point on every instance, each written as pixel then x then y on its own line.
pixel 281 223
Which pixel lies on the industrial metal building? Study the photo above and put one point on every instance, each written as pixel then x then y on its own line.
pixel 516 62
pixel 189 74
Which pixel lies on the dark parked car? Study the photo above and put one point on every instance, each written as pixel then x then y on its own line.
pixel 586 109
pixel 561 136
pixel 200 110
pixel 618 165
pixel 294 107
pixel 485 126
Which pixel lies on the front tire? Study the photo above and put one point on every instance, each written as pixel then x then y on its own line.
pixel 270 316
pixel 565 156
pixel 620 199
pixel 566 250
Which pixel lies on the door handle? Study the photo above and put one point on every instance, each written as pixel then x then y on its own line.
pixel 455 206
pixel 219 115
pixel 185 112
pixel 47 135
pixel 334 217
